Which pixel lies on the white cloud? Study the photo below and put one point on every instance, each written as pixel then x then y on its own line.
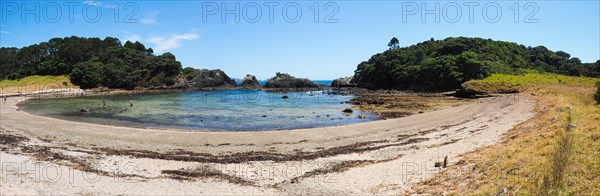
pixel 161 44
pixel 132 37
pixel 150 19
pixel 5 32
pixel 92 3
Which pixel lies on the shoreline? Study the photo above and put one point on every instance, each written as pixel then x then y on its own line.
pixel 373 150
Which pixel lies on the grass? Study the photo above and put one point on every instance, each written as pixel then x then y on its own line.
pixel 500 83
pixel 35 83
pixel 597 94
pixel 553 180
pixel 538 78
pixel 541 156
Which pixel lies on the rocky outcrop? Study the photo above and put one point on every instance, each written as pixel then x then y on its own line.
pixel 203 78
pixel 249 81
pixel 343 82
pixel 283 80
pixel 466 92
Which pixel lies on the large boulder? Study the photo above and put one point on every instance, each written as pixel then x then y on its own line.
pixel 283 80
pixel 202 78
pixel 249 81
pixel 343 82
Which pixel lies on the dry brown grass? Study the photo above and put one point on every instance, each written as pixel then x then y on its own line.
pixel 35 83
pixel 537 151
pixel 553 179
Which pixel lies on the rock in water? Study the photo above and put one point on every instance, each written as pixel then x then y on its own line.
pixel 347 110
pixel 249 81
pixel 343 82
pixel 283 80
pixel 84 110
pixel 202 78
pixel 285 97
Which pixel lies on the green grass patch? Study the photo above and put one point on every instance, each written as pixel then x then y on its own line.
pixel 35 83
pixel 506 83
pixel 539 78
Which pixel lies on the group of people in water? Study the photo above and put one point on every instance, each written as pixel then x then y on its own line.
pixel 104 103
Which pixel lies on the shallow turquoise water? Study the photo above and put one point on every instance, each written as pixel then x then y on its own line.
pixel 227 110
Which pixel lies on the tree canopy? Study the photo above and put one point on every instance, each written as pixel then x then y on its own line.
pixel 92 62
pixel 394 43
pixel 445 64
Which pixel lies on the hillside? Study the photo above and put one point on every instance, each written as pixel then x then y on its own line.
pixel 553 153
pixel 35 83
pixel 445 64
pixel 91 62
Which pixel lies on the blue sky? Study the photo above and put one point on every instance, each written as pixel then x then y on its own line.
pixel 345 33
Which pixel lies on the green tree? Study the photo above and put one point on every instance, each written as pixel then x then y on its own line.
pixel 98 62
pixel 563 54
pixel 89 74
pixel 445 64
pixel 394 43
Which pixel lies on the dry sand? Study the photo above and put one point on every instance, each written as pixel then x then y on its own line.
pixel 41 155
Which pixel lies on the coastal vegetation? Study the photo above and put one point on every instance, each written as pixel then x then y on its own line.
pixel 556 152
pixel 499 83
pixel 433 65
pixel 446 64
pixel 91 62
pixel 35 83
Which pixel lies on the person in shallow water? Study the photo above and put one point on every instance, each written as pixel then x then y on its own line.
pixel 103 103
pixel 130 103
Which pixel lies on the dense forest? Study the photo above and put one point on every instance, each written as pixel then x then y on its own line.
pixel 92 62
pixel 445 64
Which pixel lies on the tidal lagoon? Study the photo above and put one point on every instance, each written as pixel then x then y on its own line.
pixel 219 110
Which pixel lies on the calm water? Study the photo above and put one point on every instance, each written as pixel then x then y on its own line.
pixel 321 82
pixel 206 110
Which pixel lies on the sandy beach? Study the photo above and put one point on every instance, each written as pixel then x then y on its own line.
pixel 42 155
